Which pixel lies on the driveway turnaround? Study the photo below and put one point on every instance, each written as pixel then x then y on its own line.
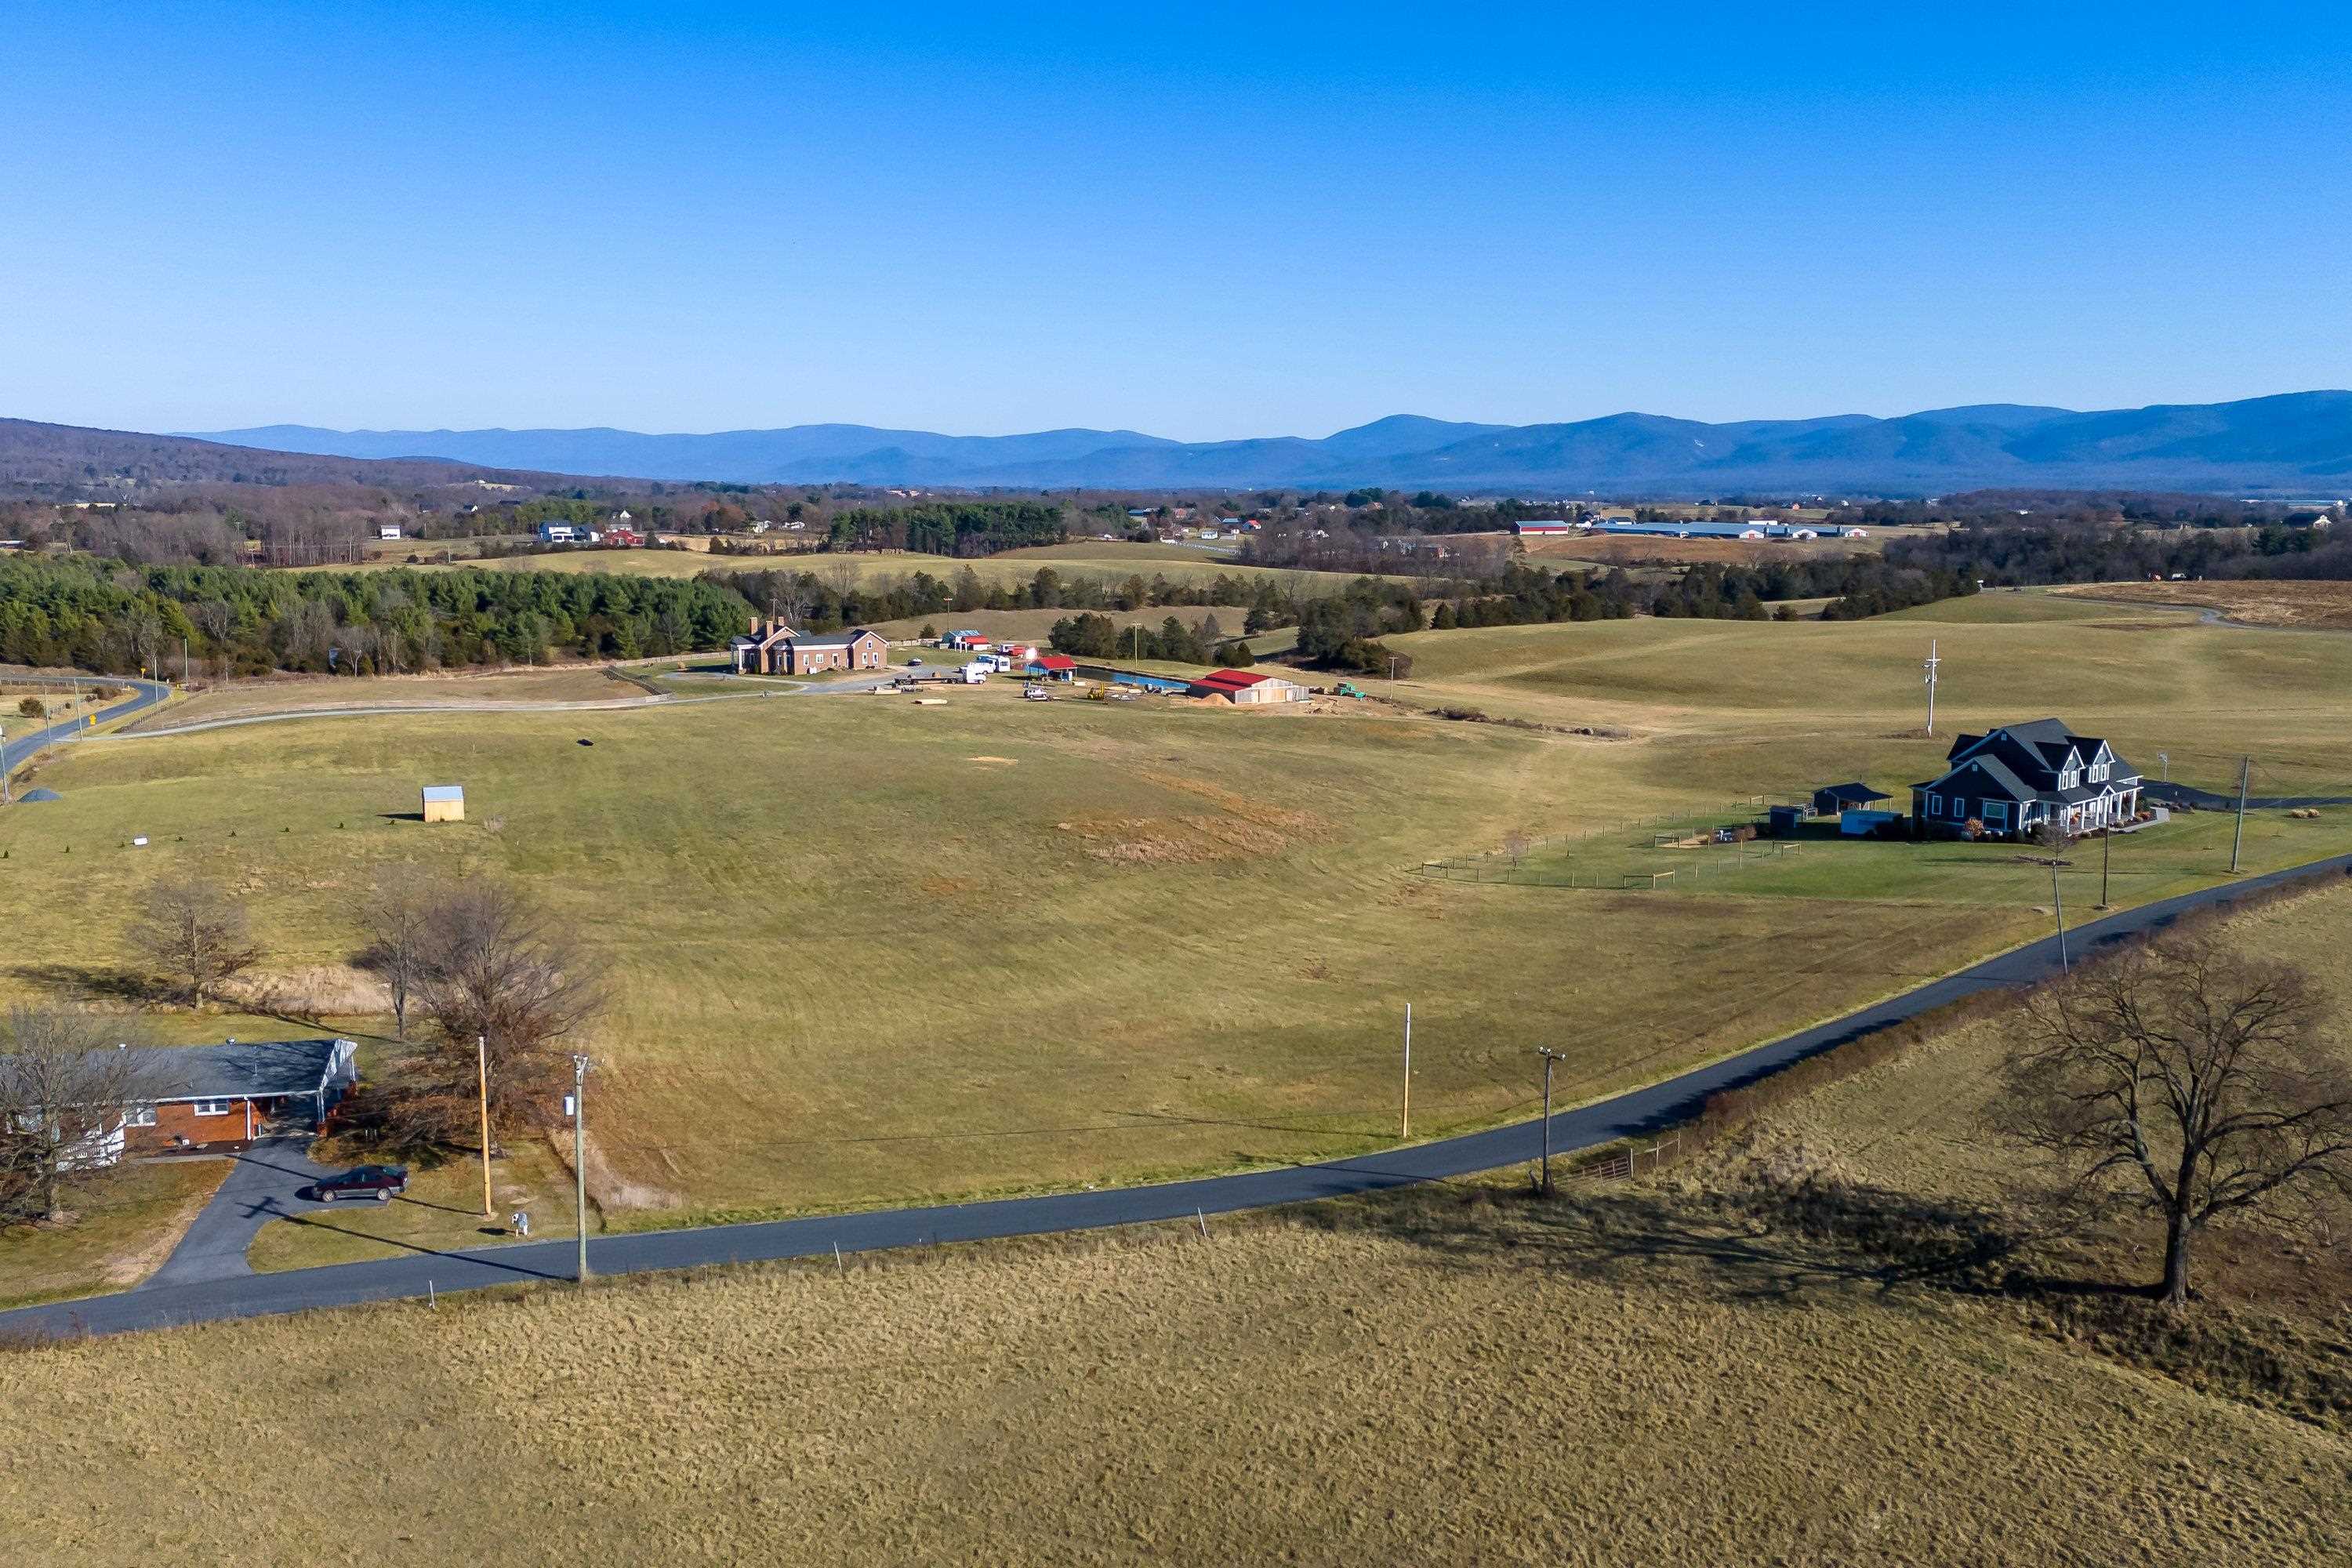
pixel 1636 1113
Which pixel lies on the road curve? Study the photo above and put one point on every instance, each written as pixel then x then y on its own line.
pixel 1634 1113
pixel 145 694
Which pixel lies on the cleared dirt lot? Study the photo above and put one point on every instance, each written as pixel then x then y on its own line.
pixel 2309 605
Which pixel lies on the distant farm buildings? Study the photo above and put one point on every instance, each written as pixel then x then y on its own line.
pixel 1543 525
pixel 1675 529
pixel 1247 687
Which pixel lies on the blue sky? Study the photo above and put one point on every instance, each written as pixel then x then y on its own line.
pixel 1200 221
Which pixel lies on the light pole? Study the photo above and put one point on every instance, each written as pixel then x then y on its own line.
pixel 1932 662
pixel 4 768
pixel 579 1159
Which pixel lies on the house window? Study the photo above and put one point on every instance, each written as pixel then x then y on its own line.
pixel 138 1116
pixel 1996 815
pixel 210 1108
pixel 1935 806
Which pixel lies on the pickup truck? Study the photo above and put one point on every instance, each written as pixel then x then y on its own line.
pixel 382 1182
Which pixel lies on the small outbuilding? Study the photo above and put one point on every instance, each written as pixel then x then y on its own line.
pixel 1836 798
pixel 1054 666
pixel 445 802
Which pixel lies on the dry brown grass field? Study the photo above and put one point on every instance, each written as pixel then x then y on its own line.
pixel 866 952
pixel 2307 606
pixel 1690 1369
pixel 1456 1376
pixel 1638 549
pixel 293 694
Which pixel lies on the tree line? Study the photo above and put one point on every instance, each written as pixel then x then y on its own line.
pixel 1858 587
pixel 110 618
pixel 950 527
pixel 2024 550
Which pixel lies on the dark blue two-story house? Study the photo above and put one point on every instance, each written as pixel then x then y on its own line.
pixel 2013 779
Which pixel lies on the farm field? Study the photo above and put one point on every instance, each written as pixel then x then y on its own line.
pixel 1564 549
pixel 823 1000
pixel 2315 605
pixel 1097 560
pixel 1735 709
pixel 756 1060
pixel 1450 1376
pixel 1034 624
pixel 575 683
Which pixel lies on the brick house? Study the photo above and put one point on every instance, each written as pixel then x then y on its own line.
pixel 856 648
pixel 762 653
pixel 223 1097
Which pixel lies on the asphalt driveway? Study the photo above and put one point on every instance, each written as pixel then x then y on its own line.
pixel 261 1186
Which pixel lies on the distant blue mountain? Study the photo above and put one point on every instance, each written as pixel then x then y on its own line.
pixel 2295 443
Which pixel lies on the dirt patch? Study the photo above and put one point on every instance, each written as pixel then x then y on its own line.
pixel 315 990
pixel 1004 761
pixel 608 1189
pixel 2325 605
pixel 1175 840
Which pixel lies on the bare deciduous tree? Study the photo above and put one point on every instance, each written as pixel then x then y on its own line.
pixel 399 920
pixel 193 930
pixel 64 1089
pixel 1515 843
pixel 495 974
pixel 2184 1083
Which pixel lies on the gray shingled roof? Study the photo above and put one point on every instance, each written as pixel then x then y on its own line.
pixel 835 640
pixel 232 1071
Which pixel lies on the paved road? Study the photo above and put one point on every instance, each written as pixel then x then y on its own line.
pixel 1639 1112
pixel 260 1187
pixel 2206 800
pixel 145 694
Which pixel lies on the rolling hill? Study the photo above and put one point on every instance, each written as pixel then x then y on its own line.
pixel 2293 444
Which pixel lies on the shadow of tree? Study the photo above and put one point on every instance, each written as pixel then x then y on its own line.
pixel 93 982
pixel 1753 1244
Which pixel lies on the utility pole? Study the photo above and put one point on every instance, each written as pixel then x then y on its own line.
pixel 3 789
pixel 1405 1118
pixel 2107 855
pixel 1932 662
pixel 2238 837
pixel 580 1158
pixel 482 1072
pixel 2058 908
pixel 184 661
pixel 1550 1057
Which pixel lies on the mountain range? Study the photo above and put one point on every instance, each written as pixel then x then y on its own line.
pixel 2297 444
